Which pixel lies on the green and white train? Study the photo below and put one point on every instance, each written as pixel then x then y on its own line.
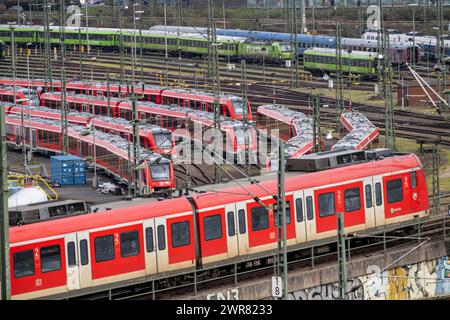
pixel 188 44
pixel 355 62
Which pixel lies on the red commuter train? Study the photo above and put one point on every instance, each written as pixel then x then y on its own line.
pixel 230 106
pixel 86 253
pixel 169 117
pixel 152 137
pixel 111 151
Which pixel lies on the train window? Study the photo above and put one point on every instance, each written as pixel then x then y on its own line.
pixel 260 218
pixel 378 198
pixel 129 244
pixel 104 248
pixel 231 226
pixel 288 214
pixel 352 199
pixel 149 239
pixel 413 179
pixel 368 190
pixel 309 208
pixel 241 217
pixel 50 258
pixel 23 263
pixel 71 255
pixel 161 238
pixel 84 252
pixel 326 204
pixel 212 227
pixel 180 234
pixel 394 191
pixel 299 209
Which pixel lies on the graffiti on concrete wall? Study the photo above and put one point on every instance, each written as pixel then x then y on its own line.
pixel 421 280
pixel 329 292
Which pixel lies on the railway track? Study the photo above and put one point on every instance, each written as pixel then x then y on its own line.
pixel 188 66
pixel 408 124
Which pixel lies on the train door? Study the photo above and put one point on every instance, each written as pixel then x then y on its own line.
pixel 232 232
pixel 369 207
pixel 72 262
pixel 84 265
pixel 150 248
pixel 242 228
pixel 162 252
pixel 300 217
pixel 311 232
pixel 378 196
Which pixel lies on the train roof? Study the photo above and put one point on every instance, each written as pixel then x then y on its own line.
pixel 116 142
pixel 119 121
pixel 372 43
pixel 302 141
pixel 362 131
pixel 309 180
pixel 195 115
pixel 98 220
pixel 362 54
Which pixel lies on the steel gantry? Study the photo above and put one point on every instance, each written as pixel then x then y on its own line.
pixel 440 53
pixel 47 49
pixel 387 92
pixel 4 217
pixel 339 76
pixel 245 116
pixel 64 111
pixel 294 52
pixel 214 76
pixel 317 141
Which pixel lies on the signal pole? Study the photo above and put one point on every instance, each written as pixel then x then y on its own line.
pixel 339 77
pixel 387 91
pixel 213 64
pixel 4 215
pixel 342 259
pixel 64 128
pixel 281 268
pixel 387 85
pixel 293 32
pixel 440 52
pixel 436 187
pixel 316 124
pixel 47 49
pixel 136 145
pixel 245 115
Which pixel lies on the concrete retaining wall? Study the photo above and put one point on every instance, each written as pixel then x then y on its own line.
pixel 423 273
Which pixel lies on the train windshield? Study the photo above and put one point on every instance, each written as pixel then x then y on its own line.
pixel 240 136
pixel 285 47
pixel 160 171
pixel 238 106
pixel 163 140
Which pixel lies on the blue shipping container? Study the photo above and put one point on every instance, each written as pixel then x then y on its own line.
pixel 68 170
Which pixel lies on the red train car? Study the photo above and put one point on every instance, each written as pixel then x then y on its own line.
pixel 7 95
pixel 169 117
pixel 111 151
pixel 230 106
pixel 142 241
pixel 152 137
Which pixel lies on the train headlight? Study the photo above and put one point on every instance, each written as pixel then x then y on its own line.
pixel 415 195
